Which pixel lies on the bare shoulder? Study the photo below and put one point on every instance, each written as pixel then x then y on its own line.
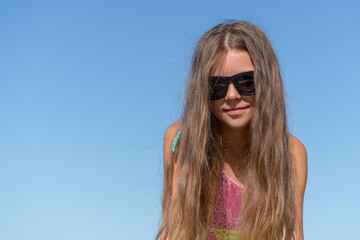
pixel 300 166
pixel 172 130
pixel 169 136
pixel 300 161
pixel 298 149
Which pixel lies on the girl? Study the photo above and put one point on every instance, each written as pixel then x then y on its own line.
pixel 231 169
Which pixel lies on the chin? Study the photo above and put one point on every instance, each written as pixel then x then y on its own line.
pixel 238 126
pixel 236 122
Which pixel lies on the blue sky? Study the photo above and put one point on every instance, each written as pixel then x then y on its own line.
pixel 88 88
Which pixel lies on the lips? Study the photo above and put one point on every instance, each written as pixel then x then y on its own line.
pixel 235 111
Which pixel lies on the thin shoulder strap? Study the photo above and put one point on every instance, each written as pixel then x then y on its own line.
pixel 176 139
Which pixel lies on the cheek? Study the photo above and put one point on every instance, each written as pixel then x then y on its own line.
pixel 250 99
pixel 215 107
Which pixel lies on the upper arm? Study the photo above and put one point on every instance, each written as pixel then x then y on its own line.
pixel 300 167
pixel 168 159
pixel 170 134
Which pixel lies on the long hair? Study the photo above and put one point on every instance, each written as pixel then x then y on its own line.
pixel 267 206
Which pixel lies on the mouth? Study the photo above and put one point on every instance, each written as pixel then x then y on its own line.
pixel 235 111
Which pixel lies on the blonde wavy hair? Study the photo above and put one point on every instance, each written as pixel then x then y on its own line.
pixel 267 208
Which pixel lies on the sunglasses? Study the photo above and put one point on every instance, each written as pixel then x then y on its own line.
pixel 243 82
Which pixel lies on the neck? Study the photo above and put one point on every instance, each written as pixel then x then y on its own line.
pixel 235 144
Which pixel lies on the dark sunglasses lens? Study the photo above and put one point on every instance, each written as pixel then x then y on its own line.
pixel 247 87
pixel 218 88
pixel 246 84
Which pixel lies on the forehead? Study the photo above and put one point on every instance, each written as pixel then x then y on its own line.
pixel 232 62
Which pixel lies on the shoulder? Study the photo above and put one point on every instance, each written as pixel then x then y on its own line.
pixel 172 130
pixel 170 162
pixel 299 154
pixel 298 149
pixel 169 136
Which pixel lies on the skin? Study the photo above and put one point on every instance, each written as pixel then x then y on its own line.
pixel 235 129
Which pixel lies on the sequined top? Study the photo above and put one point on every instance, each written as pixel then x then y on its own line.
pixel 223 223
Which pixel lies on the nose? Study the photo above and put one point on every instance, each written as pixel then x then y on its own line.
pixel 232 93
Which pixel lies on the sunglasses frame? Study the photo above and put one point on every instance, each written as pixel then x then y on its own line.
pixel 232 79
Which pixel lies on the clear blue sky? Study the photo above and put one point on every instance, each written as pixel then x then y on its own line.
pixel 87 89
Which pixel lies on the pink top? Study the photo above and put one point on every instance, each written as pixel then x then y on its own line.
pixel 226 209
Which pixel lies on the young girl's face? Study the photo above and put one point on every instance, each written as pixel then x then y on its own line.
pixel 234 110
